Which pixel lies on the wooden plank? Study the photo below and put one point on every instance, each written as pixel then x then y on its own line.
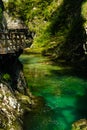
pixel 13 40
pixel 3 50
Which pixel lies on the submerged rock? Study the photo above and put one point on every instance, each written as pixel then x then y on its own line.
pixel 80 125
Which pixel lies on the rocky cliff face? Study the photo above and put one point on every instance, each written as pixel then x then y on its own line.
pixel 15 97
pixel 10 109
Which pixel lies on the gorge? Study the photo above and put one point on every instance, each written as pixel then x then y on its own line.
pixel 45 88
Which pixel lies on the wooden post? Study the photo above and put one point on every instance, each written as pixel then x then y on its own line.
pixel 6 43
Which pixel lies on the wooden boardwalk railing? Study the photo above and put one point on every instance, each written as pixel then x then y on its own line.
pixel 14 40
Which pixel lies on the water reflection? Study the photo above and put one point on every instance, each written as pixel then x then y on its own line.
pixel 64 91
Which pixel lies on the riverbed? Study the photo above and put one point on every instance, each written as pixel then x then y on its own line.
pixel 63 89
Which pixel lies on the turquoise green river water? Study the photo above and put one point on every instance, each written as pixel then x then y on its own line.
pixel 63 89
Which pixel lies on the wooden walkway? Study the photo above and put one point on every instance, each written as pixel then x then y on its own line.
pixel 13 40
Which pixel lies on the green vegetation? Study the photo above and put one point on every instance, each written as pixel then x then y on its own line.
pixel 59 25
pixel 6 77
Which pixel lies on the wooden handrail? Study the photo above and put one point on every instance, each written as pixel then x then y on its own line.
pixel 13 40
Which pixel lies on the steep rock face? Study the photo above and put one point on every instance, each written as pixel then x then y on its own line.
pixel 12 23
pixel 8 22
pixel 10 109
pixel 15 97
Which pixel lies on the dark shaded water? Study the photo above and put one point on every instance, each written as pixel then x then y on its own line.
pixel 63 89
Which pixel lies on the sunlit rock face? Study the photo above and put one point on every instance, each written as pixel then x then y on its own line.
pixel 12 23
pixel 9 22
pixel 10 108
pixel 13 105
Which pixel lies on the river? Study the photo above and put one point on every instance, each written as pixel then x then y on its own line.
pixel 63 89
